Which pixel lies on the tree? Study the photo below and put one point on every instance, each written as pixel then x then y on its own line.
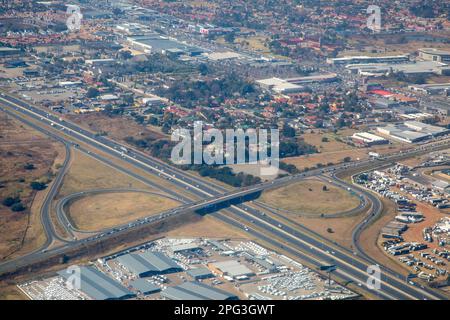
pixel 230 37
pixel 347 159
pixel 29 166
pixel 35 185
pixel 92 93
pixel 324 188
pixel 325 139
pixel 9 201
pixel 288 131
pixel 18 207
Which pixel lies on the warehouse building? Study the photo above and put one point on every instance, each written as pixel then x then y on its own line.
pixel 6 51
pixel 200 273
pixel 218 245
pixel 280 86
pixel 144 287
pixel 411 68
pixel 185 247
pixel 321 78
pixel 148 263
pixel 367 59
pixel 403 134
pixel 230 268
pixel 432 54
pixel 436 88
pixel 158 44
pixel 97 285
pixel 368 139
pixel 435 131
pixel 196 291
pixel 383 103
pixel 413 131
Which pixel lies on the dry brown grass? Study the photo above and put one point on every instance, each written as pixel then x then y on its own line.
pixel 22 232
pixel 308 197
pixel 117 127
pixel 11 292
pixel 335 151
pixel 96 212
pixel 209 227
pixel 87 173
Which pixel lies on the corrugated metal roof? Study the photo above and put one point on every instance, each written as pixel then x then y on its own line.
pixel 136 264
pixel 99 286
pixel 177 293
pixel 144 286
pixel 233 268
pixel 159 260
pixel 196 291
pixel 198 272
pixel 147 262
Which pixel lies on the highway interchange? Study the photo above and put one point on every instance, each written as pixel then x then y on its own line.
pixel 298 242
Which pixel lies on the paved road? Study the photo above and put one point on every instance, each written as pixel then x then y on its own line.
pixel 196 186
pixel 65 221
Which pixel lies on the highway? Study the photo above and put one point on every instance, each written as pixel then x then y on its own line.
pixel 351 268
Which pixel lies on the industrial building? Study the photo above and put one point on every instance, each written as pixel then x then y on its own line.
pixel 148 263
pixel 412 131
pixel 185 247
pixel 196 291
pixel 231 268
pixel 144 287
pixel 366 59
pixel 432 54
pixel 200 273
pixel 219 56
pixel 163 45
pixel 368 139
pixel 403 134
pixel 383 103
pixel 328 77
pixel 435 131
pixel 100 62
pixel 6 51
pixel 280 86
pixel 97 285
pixel 416 116
pixel 411 68
pixel 436 88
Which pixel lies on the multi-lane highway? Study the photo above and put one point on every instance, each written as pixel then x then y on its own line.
pixel 315 250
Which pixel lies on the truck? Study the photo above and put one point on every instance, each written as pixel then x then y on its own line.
pixel 374 155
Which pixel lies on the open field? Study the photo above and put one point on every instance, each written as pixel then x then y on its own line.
pixel 208 227
pixel 21 146
pixel 96 212
pixel 117 128
pixel 308 197
pixel 335 151
pixel 254 43
pixel 377 45
pixel 87 173
pixel 11 292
